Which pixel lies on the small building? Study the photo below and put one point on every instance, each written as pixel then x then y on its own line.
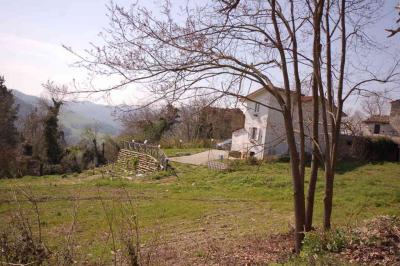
pixel 384 125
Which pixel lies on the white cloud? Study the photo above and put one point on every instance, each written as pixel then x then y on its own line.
pixel 27 63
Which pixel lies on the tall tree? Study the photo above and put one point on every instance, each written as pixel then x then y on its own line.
pixel 8 131
pixel 8 117
pixel 238 45
pixel 54 137
pixel 52 133
pixel 150 124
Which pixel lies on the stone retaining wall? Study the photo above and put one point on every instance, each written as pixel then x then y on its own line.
pixel 146 163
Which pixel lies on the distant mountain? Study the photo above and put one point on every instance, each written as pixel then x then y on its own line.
pixel 75 116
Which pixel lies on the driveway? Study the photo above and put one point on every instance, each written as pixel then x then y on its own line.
pixel 201 158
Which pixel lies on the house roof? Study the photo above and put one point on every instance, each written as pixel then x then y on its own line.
pixel 303 97
pixel 382 119
pixel 306 98
pixel 254 93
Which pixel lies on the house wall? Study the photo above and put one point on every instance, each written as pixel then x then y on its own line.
pixel 272 124
pixel 386 129
pixel 275 141
pixel 269 121
pixel 276 133
pixel 308 117
pixel 241 138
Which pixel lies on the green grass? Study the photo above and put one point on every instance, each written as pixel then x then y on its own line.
pixel 251 200
pixel 174 152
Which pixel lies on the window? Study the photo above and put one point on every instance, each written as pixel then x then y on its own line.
pixel 256 107
pixel 377 128
pixel 253 133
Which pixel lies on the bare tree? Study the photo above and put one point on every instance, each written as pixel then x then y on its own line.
pixel 240 45
pixel 375 103
pixel 352 124
pixel 149 123
pixel 394 31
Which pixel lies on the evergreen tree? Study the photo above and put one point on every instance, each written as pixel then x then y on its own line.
pixel 52 134
pixel 8 131
pixel 8 116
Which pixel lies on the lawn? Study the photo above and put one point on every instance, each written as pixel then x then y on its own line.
pixel 196 207
pixel 175 152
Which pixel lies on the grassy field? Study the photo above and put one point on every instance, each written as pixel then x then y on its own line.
pixel 173 152
pixel 197 206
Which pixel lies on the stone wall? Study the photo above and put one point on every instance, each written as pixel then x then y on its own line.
pixel 145 164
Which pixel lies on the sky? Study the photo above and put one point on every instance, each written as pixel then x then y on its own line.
pixel 32 33
pixel 31 37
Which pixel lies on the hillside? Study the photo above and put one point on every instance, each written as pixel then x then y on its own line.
pixel 75 116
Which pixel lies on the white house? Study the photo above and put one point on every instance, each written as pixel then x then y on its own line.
pixel 263 133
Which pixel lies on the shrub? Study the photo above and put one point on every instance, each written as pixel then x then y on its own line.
pixel 162 174
pixel 284 158
pixel 134 162
pixel 375 149
pixel 233 165
pixel 17 244
pixel 70 161
pixel 319 242
pixel 252 160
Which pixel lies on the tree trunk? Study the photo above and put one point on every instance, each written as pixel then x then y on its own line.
pixel 311 194
pixel 328 199
pixel 317 17
pixel 298 180
pixel 298 185
pixel 330 168
pixel 96 153
pixel 314 162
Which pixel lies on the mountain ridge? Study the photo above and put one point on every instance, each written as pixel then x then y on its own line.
pixel 75 117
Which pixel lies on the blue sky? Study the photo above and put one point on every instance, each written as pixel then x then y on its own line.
pixel 32 31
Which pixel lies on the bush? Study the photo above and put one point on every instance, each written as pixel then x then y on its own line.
pixel 375 149
pixel 252 160
pixel 53 169
pixel 161 174
pixel 134 163
pixel 284 158
pixel 233 165
pixel 319 242
pixel 70 161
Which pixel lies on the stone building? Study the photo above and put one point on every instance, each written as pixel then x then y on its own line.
pixel 384 125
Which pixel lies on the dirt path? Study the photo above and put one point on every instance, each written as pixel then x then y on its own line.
pixel 201 158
